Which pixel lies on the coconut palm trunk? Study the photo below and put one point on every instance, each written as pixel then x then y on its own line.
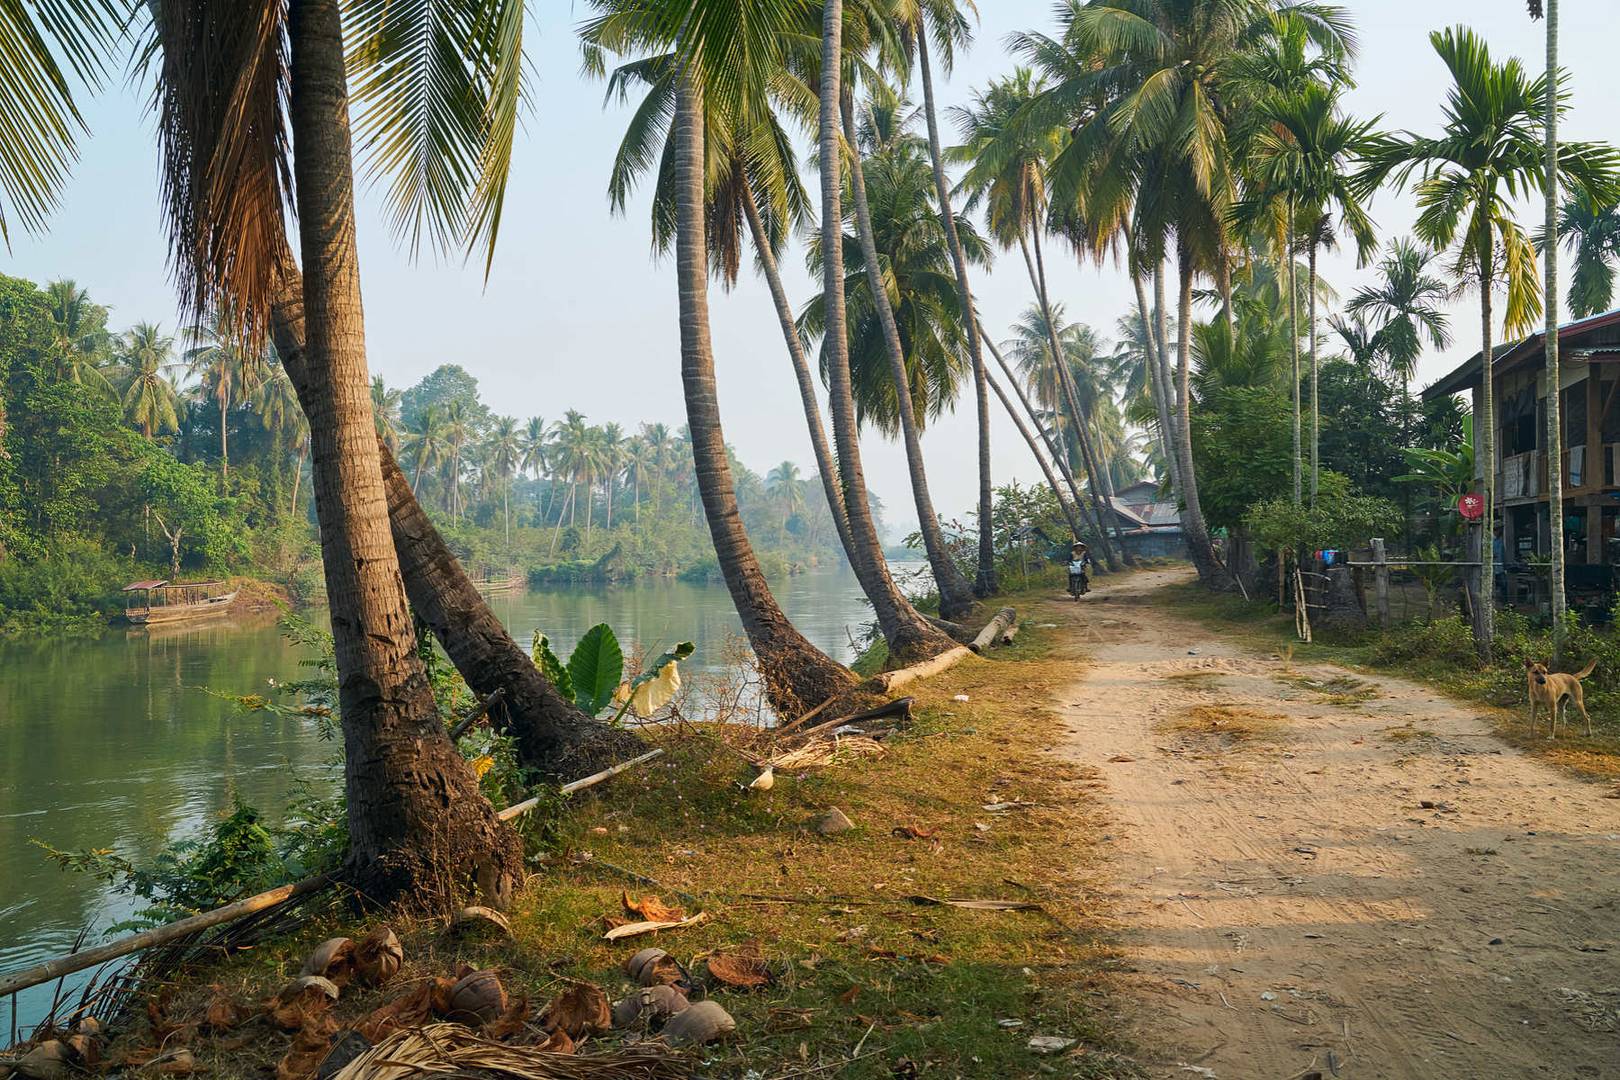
pixel 1168 419
pixel 1485 431
pixel 907 633
pixel 1555 431
pixel 1150 341
pixel 985 583
pixel 1192 517
pixel 1316 373
pixel 224 435
pixel 825 464
pixel 1293 349
pixel 1074 505
pixel 1103 506
pixel 955 596
pixel 553 737
pixel 418 826
pixel 1040 458
pixel 797 674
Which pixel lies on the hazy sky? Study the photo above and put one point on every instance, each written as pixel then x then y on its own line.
pixel 578 315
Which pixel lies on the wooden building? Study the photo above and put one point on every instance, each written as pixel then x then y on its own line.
pixel 1589 369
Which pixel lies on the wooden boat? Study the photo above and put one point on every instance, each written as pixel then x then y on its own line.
pixel 489 584
pixel 149 602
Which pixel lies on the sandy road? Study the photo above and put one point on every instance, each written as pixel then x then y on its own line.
pixel 1370 885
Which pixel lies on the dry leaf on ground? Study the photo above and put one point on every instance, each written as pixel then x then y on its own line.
pixel 652 909
pixel 580 1010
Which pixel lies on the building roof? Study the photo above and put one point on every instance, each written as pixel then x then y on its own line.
pixel 1573 335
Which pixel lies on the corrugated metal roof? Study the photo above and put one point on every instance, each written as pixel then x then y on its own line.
pixel 1466 374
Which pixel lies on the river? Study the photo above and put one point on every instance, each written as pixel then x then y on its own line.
pixel 115 742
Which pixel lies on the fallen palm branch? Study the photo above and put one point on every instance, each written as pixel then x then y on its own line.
pixel 826 752
pixel 454 1050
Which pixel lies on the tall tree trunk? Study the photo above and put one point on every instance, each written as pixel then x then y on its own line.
pixel 1316 381
pixel 801 370
pixel 955 596
pixel 1150 341
pixel 1293 349
pixel 554 738
pixel 298 474
pixel 1099 492
pixel 1172 418
pixel 1193 528
pixel 418 827
pixel 1555 433
pixel 797 674
pixel 1076 502
pixel 224 441
pixel 984 583
pixel 1040 458
pixel 1485 431
pixel 908 635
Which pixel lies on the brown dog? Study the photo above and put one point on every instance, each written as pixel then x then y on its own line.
pixel 1549 690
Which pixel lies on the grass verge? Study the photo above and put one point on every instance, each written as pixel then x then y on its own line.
pixel 868 981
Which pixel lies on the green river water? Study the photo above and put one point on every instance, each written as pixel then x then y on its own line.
pixel 112 741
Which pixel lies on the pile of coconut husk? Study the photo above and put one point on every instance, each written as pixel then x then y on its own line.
pixel 351 1013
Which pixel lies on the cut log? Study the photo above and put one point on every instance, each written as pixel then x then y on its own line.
pixel 994 629
pixel 894 680
pixel 1008 634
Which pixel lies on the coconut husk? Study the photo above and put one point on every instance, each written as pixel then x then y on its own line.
pixel 223 1012
pixel 742 967
pixel 826 752
pixel 309 1048
pixel 409 1010
pixel 378 957
pixel 444 1049
pixel 580 1010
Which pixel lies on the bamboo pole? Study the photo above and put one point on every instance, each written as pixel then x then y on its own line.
pixel 161 935
pixel 581 784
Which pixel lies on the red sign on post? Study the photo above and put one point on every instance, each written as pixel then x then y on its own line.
pixel 1471 507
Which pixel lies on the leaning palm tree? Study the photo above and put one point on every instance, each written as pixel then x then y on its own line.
pixel 946 22
pixel 149 395
pixel 1491 149
pixel 424 443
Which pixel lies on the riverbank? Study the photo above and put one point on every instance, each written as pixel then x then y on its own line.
pixel 865 975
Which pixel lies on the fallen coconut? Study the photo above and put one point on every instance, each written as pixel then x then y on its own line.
pixel 477 998
pixel 86 1049
pixel 655 967
pixel 333 959
pixel 378 958
pixel 699 1023
pixel 649 1006
pixel 50 1060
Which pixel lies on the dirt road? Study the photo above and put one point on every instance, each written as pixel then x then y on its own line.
pixel 1339 874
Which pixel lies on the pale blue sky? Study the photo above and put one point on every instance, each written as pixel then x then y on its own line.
pixel 577 315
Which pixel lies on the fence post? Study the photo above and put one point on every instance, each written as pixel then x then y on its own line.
pixel 1473 586
pixel 1381 581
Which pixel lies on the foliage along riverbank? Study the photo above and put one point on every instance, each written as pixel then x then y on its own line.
pixel 139 454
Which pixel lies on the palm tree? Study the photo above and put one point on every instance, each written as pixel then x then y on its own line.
pixel 1593 233
pixel 80 343
pixel 458 435
pixel 1490 150
pixel 505 448
pixel 796 672
pixel 786 483
pixel 227 370
pixel 1301 154
pixel 945 22
pixel 533 444
pixel 1405 306
pixel 880 319
pixel 385 405
pixel 1142 84
pixel 149 396
pixel 425 443
pixel 905 631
